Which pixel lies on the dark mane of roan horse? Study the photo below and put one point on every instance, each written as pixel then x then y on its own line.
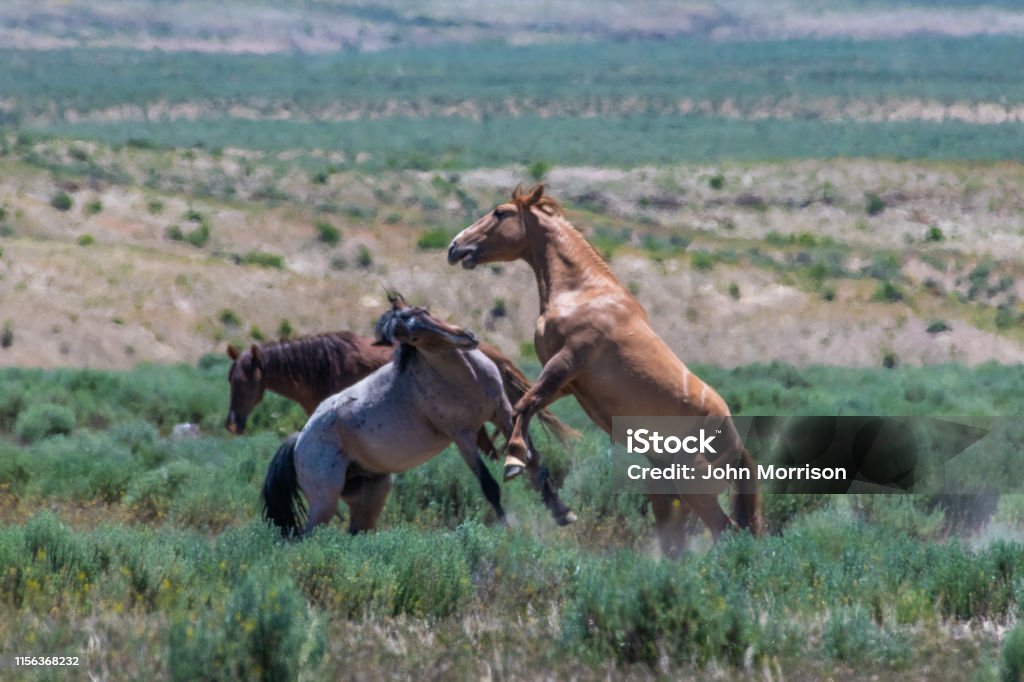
pixel 385 333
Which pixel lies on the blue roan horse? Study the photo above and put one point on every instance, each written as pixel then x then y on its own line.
pixel 439 389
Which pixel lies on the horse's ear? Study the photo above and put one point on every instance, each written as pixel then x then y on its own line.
pixel 396 300
pixel 257 356
pixel 536 194
pixel 233 352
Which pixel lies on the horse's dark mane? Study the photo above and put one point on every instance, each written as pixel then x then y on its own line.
pixel 404 354
pixel 306 358
pixel 385 333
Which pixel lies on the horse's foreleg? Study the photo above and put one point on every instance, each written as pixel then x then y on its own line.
pixel 471 455
pixel 557 372
pixel 367 504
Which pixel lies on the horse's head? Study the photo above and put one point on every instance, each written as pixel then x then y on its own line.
pixel 246 379
pixel 417 327
pixel 501 235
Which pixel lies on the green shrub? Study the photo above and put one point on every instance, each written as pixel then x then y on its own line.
pixel 1007 316
pixel 262 259
pixel 716 181
pixel 7 335
pixel 887 292
pixel 884 266
pixel 93 207
pixel 364 257
pixel 197 237
pixel 853 637
pixel 229 318
pixel 934 234
pixel 938 326
pixel 285 329
pixel 499 309
pixel 436 238
pixel 154 492
pixel 874 204
pixel 702 260
pixel 538 169
pixel 327 233
pixel 635 610
pixel 62 201
pixel 43 420
pixel 1011 660
pixel 155 206
pixel 86 240
pixel 263 631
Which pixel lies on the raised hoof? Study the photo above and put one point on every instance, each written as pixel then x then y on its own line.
pixel 566 518
pixel 513 471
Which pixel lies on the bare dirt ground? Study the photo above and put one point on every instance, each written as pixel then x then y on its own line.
pixel 109 289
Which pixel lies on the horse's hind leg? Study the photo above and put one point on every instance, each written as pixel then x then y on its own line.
pixel 366 505
pixel 322 478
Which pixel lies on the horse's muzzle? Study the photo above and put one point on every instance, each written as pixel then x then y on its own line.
pixel 465 255
pixel 234 424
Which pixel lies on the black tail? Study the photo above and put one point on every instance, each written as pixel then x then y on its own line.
pixel 282 504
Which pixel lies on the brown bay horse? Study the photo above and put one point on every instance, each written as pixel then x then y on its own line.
pixel 440 389
pixel 596 343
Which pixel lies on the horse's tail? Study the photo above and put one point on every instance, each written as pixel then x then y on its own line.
pixel 746 500
pixel 516 386
pixel 282 504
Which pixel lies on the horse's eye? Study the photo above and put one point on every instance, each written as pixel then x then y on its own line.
pixel 499 214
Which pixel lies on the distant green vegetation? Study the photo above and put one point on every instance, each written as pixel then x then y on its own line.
pixel 638 90
pixel 263 259
pixel 436 238
pixel 578 74
pixel 456 143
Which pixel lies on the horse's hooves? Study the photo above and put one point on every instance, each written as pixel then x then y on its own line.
pixel 566 518
pixel 512 471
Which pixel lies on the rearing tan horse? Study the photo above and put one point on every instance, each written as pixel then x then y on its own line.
pixel 596 343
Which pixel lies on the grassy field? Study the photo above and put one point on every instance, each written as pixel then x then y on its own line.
pixel 138 551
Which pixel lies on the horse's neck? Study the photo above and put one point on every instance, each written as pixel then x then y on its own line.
pixel 563 260
pixel 277 379
pixel 450 366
